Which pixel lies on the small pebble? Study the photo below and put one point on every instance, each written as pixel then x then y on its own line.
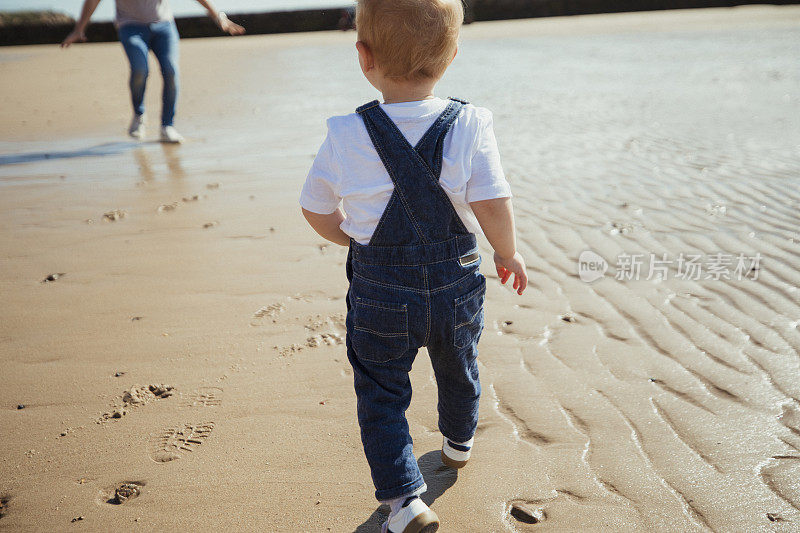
pixel 568 318
pixel 21 406
pixel 77 519
pixel 118 374
pixel 527 515
pixel 53 277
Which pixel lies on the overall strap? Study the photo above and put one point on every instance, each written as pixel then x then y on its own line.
pixel 431 145
pixel 414 171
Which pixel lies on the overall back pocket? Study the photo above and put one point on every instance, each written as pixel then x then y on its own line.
pixel 468 321
pixel 380 330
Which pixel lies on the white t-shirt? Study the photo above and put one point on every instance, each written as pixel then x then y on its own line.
pixel 348 171
pixel 142 11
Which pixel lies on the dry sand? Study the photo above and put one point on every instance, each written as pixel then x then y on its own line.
pixel 618 405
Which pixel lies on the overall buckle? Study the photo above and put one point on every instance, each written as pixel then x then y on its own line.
pixel 469 259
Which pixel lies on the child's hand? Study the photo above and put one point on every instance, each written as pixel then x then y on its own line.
pixel 514 265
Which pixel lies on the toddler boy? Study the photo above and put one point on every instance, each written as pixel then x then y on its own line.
pixel 417 177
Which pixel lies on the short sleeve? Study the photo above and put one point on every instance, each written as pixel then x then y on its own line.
pixel 319 194
pixel 487 180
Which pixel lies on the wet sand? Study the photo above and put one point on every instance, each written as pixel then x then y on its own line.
pixel 667 405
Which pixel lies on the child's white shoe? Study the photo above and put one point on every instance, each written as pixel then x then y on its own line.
pixel 414 517
pixel 170 135
pixel 136 129
pixel 456 454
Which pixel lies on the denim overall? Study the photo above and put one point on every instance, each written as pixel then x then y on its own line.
pixel 415 284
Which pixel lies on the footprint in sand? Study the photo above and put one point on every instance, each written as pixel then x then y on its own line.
pixel 269 311
pixel 113 216
pixel 174 442
pixel 163 208
pixel 328 339
pixel 122 492
pixel 137 396
pixel 621 228
pixel 332 322
pixel 204 397
pixel 285 351
pixel 335 326
pixel 194 198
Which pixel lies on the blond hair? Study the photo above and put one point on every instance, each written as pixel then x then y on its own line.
pixel 410 39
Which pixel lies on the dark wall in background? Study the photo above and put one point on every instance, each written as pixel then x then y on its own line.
pixel 513 9
pixel 50 30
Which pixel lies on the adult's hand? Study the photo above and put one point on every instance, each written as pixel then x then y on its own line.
pixel 228 26
pixel 77 36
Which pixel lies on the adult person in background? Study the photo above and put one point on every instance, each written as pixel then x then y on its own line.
pixel 145 25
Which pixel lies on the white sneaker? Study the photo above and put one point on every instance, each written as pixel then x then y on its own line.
pixel 170 135
pixel 456 454
pixel 416 517
pixel 136 129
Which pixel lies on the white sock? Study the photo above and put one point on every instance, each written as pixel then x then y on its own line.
pixel 467 443
pixel 397 503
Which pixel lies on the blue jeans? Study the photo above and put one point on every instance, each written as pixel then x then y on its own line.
pixel 415 284
pixel 162 39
